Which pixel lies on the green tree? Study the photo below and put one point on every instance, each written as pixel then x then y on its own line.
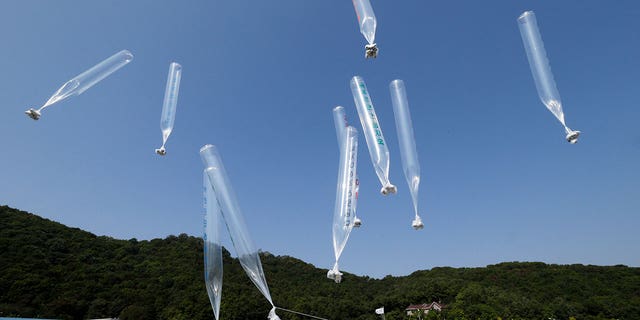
pixel 49 270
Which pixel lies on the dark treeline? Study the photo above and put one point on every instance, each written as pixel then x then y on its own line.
pixel 49 270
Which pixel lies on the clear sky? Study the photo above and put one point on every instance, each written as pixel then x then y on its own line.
pixel 260 78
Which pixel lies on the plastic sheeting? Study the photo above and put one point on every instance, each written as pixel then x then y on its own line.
pixel 373 133
pixel 85 80
pixel 344 211
pixel 170 104
pixel 541 71
pixel 212 245
pixel 248 255
pixel 408 152
pixel 366 19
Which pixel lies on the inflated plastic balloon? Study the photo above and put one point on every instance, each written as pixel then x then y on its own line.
pixel 373 133
pixel 85 80
pixel 341 123
pixel 170 104
pixel 541 70
pixel 367 22
pixel 408 153
pixel 212 246
pixel 344 212
pixel 234 219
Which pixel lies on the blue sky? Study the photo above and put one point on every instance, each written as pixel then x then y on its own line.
pixel 260 79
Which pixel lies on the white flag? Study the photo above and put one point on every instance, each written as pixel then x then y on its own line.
pixel 380 310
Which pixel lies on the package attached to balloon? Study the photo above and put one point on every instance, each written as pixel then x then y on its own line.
pixel 248 255
pixel 367 23
pixel 541 71
pixel 169 104
pixel 84 81
pixel 344 209
pixel 372 131
pixel 408 152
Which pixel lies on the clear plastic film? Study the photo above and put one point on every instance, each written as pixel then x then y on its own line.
pixel 344 211
pixel 247 253
pixel 541 71
pixel 85 80
pixel 372 133
pixel 170 104
pixel 367 23
pixel 408 152
pixel 341 123
pixel 212 246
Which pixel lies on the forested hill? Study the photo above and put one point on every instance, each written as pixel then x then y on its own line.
pixel 48 270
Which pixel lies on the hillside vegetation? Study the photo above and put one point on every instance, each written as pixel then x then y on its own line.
pixel 49 270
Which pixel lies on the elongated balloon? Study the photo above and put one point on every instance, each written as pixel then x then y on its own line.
pixel 367 22
pixel 212 246
pixel 341 123
pixel 372 133
pixel 408 153
pixel 170 104
pixel 541 70
pixel 234 219
pixel 344 212
pixel 85 80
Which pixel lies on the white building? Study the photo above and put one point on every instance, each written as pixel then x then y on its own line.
pixel 424 308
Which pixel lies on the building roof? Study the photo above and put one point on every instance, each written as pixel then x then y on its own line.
pixel 425 306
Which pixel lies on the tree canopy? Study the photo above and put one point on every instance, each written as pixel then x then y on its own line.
pixel 49 270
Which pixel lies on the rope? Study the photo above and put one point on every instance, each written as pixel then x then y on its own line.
pixel 300 313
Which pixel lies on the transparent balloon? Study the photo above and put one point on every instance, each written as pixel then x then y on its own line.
pixel 170 104
pixel 367 22
pixel 541 71
pixel 372 133
pixel 341 123
pixel 247 253
pixel 408 153
pixel 212 246
pixel 344 212
pixel 84 81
